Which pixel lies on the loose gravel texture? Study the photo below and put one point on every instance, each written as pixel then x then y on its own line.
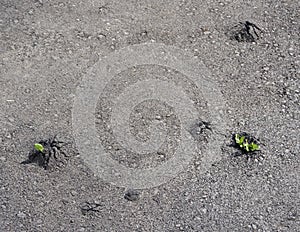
pixel 46 47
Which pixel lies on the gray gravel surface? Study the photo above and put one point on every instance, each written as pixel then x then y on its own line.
pixel 46 47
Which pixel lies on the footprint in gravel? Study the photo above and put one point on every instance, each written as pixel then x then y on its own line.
pixel 132 195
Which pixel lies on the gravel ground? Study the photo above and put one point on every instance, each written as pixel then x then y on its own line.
pixel 48 47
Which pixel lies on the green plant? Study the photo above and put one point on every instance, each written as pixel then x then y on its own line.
pixel 239 140
pixel 39 147
pixel 242 142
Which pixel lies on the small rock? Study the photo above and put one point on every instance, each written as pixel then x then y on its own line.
pixel 158 117
pixel 8 136
pixel 97 202
pixel 21 215
pixel 132 195
pixel 254 226
pixel 39 221
pixel 64 201
pixel 2 158
pixel 204 210
pixel 10 119
pixel 73 193
pixel 161 154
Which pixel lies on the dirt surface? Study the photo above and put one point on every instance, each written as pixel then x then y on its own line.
pixel 50 49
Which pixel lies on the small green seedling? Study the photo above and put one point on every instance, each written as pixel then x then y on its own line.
pixel 239 140
pixel 253 146
pixel 243 143
pixel 39 147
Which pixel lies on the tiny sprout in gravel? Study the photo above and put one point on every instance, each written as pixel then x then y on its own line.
pixel 245 143
pixel 39 147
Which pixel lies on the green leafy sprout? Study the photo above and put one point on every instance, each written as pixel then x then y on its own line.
pixel 39 147
pixel 242 142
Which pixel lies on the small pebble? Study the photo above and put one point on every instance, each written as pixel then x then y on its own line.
pixel 73 193
pixel 132 195
pixel 10 119
pixel 39 221
pixel 21 215
pixel 158 117
pixel 8 136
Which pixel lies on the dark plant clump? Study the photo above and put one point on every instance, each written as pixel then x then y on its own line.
pixel 245 32
pixel 90 207
pixel 45 150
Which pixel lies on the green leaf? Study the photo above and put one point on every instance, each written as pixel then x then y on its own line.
pixel 39 147
pixel 242 139
pixel 254 147
pixel 239 140
pixel 246 146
